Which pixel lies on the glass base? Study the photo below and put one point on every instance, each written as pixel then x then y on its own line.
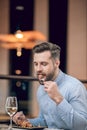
pixel 10 127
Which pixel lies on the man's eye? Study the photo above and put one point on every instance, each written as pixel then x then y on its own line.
pixel 44 64
pixel 35 64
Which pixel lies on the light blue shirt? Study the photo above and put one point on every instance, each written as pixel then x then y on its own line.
pixel 71 113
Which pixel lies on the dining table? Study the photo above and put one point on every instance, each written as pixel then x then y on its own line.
pixel 5 123
pixel 4 126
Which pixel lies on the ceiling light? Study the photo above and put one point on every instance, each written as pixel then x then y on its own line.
pixel 18 34
pixel 20 7
pixel 21 39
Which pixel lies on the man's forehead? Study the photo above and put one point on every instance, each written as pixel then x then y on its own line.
pixel 42 56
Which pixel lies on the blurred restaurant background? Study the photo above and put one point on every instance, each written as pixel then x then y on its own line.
pixel 63 22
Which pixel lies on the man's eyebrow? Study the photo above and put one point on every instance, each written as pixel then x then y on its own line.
pixel 34 62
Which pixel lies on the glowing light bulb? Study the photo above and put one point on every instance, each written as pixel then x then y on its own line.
pixel 19 52
pixel 19 34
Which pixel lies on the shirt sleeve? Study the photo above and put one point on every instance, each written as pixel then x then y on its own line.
pixel 73 111
pixel 39 121
pixel 72 119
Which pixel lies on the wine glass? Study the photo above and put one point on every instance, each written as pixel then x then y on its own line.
pixel 11 107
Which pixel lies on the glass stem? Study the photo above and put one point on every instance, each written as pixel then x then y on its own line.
pixel 11 121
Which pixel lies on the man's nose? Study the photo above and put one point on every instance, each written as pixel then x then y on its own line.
pixel 39 68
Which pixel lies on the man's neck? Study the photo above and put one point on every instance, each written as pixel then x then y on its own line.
pixel 56 74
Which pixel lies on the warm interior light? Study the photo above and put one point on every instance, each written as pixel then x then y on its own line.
pixel 18 72
pixel 19 34
pixel 19 52
pixel 18 84
pixel 21 39
pixel 20 8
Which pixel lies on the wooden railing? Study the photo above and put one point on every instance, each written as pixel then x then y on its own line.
pixel 15 77
pixel 27 78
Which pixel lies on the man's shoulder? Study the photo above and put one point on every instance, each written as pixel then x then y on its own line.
pixel 67 78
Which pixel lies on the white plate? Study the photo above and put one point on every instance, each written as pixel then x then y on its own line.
pixel 32 128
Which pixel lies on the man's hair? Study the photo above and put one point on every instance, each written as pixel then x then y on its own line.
pixel 47 46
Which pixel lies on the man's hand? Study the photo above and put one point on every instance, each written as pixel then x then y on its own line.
pixel 52 89
pixel 20 119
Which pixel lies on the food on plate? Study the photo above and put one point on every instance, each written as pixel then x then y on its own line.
pixel 24 123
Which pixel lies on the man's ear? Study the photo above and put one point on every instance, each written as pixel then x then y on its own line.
pixel 57 62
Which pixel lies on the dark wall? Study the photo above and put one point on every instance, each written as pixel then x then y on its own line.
pixel 58 27
pixel 23 20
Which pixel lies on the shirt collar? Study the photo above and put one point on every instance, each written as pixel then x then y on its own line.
pixel 59 77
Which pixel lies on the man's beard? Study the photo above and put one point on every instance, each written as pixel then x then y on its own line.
pixel 50 76
pixel 46 77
